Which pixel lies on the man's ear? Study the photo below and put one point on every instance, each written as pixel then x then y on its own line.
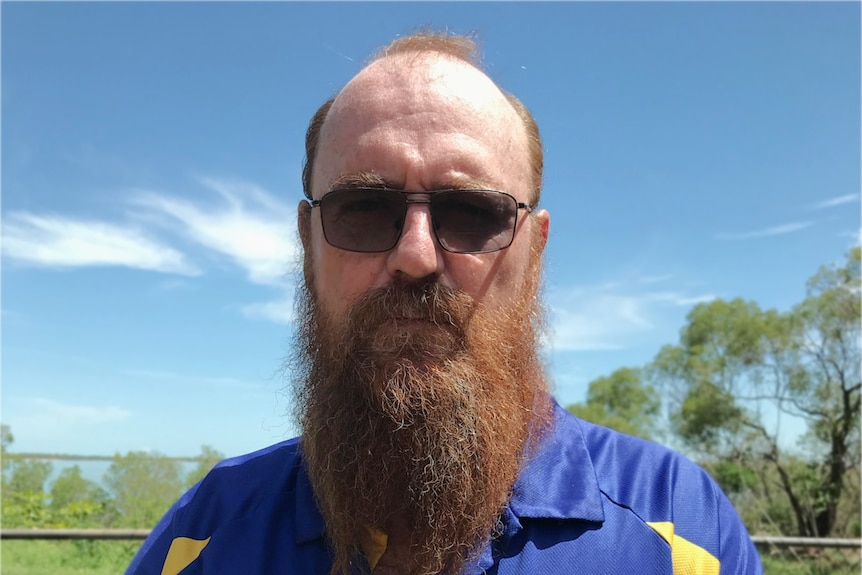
pixel 543 219
pixel 303 223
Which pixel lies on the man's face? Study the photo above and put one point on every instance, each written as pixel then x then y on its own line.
pixel 422 123
pixel 420 382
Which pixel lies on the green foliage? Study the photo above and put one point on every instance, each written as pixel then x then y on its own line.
pixel 724 335
pixel 705 412
pixel 810 562
pixel 74 501
pixel 80 557
pixel 70 487
pixel 28 475
pixel 25 509
pixel 141 488
pixel 623 402
pixel 735 362
pixel 24 502
pixel 144 486
pixel 85 514
pixel 733 477
pixel 6 439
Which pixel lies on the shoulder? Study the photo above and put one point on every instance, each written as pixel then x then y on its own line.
pixel 238 485
pixel 643 475
pixel 283 456
pixel 666 491
pixel 240 505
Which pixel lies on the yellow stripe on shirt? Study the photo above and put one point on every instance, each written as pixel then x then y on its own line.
pixel 183 551
pixel 688 558
pixel 373 543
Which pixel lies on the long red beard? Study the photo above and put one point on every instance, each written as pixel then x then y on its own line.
pixel 418 405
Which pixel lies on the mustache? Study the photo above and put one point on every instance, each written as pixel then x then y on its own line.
pixel 426 300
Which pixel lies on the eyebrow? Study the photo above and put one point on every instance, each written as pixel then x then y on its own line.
pixel 462 183
pixel 360 180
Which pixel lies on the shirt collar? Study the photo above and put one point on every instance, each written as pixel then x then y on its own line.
pixel 559 482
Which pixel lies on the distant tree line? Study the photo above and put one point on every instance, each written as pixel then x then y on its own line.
pixel 135 492
pixel 725 393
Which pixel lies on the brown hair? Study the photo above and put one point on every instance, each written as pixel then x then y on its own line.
pixel 460 47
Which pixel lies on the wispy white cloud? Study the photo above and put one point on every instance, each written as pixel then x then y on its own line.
pixel 251 227
pixel 611 316
pixel 677 299
pixel 55 241
pixel 603 325
pixel 653 279
pixel 277 311
pixel 239 222
pixel 773 231
pixel 836 201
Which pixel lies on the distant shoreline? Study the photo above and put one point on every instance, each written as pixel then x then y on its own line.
pixel 69 457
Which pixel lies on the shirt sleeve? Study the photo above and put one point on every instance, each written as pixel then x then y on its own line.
pixel 150 558
pixel 737 553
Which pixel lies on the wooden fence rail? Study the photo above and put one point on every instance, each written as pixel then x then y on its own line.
pixel 759 540
pixel 770 541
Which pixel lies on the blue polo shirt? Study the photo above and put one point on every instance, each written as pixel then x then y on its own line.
pixel 593 501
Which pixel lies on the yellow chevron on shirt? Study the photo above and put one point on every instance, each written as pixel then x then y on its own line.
pixel 183 551
pixel 373 543
pixel 688 558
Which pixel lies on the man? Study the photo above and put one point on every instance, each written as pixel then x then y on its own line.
pixel 430 443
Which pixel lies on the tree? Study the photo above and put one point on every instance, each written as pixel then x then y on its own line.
pixel 207 459
pixel 21 475
pixel 71 487
pixel 738 369
pixel 827 386
pixel 24 503
pixel 623 402
pixel 144 485
pixel 6 439
pixel 28 476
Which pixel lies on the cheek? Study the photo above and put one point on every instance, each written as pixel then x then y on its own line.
pixel 512 274
pixel 340 277
pixel 487 278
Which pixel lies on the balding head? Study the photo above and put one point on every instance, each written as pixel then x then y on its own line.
pixel 410 53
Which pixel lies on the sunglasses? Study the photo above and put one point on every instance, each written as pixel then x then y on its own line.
pixel 371 220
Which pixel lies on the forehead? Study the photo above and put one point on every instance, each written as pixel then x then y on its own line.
pixel 424 118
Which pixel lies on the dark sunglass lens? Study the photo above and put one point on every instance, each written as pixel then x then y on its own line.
pixel 474 221
pixel 362 220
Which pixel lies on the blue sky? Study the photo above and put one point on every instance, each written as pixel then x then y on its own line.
pixel 151 157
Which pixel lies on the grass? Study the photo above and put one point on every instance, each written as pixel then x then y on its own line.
pixel 811 562
pixel 79 557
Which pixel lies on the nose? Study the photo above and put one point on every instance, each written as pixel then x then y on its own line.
pixel 417 254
